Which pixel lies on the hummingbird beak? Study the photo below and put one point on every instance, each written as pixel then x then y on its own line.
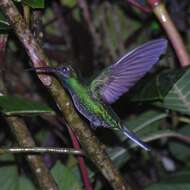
pixel 44 69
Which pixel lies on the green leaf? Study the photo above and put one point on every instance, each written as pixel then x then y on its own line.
pixel 115 26
pixel 11 105
pixel 178 98
pixel 65 178
pixel 77 14
pixel 9 177
pixel 155 25
pixel 169 186
pixel 155 87
pixel 176 181
pixel 180 150
pixel 172 88
pixel 35 4
pixel 146 125
pixel 23 182
pixel 182 176
pixel 69 3
pixel 4 25
pixel 145 120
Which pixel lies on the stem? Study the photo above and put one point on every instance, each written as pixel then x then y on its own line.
pixel 161 13
pixel 139 6
pixel 83 169
pixel 96 38
pixel 40 150
pixel 184 119
pixel 26 10
pixel 90 143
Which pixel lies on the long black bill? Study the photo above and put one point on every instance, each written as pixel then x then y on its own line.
pixel 43 69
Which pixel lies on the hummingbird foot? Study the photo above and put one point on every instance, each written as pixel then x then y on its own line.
pixel 135 139
pixel 94 127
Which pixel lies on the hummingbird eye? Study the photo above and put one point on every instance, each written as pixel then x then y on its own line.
pixel 67 69
pixel 64 69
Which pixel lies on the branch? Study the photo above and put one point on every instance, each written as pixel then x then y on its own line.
pixel 90 143
pixel 40 150
pixel 139 6
pixel 163 16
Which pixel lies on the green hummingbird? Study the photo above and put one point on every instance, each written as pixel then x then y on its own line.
pixel 93 101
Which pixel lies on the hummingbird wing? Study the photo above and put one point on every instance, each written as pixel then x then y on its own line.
pixel 121 76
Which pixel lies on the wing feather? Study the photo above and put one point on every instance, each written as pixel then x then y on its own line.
pixel 121 76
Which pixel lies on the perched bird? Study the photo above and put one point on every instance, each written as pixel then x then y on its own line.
pixel 93 101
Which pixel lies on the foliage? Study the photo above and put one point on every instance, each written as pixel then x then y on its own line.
pixel 10 178
pixel 10 105
pixel 90 37
pixel 65 178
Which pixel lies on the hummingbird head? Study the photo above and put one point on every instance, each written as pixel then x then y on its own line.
pixel 63 71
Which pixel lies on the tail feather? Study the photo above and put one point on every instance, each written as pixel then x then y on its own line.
pixel 135 139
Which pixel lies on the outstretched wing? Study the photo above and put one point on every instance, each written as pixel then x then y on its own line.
pixel 121 76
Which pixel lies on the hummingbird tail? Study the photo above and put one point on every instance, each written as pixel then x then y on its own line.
pixel 135 139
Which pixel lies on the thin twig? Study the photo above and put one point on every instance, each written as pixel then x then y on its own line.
pixel 139 6
pixel 40 150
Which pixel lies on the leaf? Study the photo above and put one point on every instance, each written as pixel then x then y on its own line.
pixel 180 150
pixel 35 4
pixel 23 182
pixel 76 14
pixel 11 105
pixel 169 186
pixel 155 87
pixel 69 3
pixel 145 119
pixel 178 98
pixel 146 125
pixel 176 181
pixel 155 25
pixel 172 88
pixel 119 155
pixel 4 25
pixel 113 20
pixel 182 176
pixel 65 178
pixel 9 177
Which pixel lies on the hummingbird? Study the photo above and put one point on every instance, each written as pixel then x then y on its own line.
pixel 94 101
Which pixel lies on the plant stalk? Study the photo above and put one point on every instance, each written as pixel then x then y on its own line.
pixel 163 16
